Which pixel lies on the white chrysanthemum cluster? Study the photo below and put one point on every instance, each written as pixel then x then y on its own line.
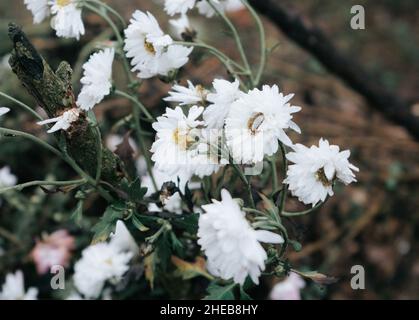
pixel 152 51
pixel 173 7
pixel 14 288
pixel 66 16
pixel 231 245
pixel 105 261
pixel 315 170
pixel 252 123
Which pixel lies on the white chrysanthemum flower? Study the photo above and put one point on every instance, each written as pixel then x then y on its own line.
pixel 257 121
pixel 225 94
pixel 180 25
pixel 122 239
pixel 62 122
pixel 7 179
pixel 231 245
pixel 99 263
pixel 180 147
pixel 316 169
pixel 39 9
pixel 206 9
pixel 97 79
pixel 173 7
pixel 3 111
pixel 145 43
pixel 187 95
pixel 288 289
pixel 174 58
pixel 14 288
pixel 67 20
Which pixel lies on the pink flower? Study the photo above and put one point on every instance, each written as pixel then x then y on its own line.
pixel 54 249
pixel 289 289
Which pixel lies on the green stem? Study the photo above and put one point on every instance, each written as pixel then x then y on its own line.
pixel 274 174
pixel 62 155
pixel 117 35
pixel 23 105
pixel 262 39
pixel 131 81
pixel 246 182
pixel 137 124
pixel 284 174
pixel 136 102
pixel 236 38
pixel 20 187
pixel 254 211
pixel 302 213
pixel 220 55
pixel 110 9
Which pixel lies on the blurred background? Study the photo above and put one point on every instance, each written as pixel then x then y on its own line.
pixel 373 223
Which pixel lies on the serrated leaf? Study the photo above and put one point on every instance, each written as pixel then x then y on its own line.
pixel 107 222
pixel 217 292
pixel 188 270
pixel 135 191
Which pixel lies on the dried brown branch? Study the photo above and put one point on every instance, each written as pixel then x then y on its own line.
pixel 54 93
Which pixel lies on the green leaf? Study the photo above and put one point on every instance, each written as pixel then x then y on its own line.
pixel 188 270
pixel 217 292
pixel 135 191
pixel 107 223
pixel 163 251
pixel 244 295
pixel 77 214
pixel 187 222
pixel 138 224
pixel 269 206
pixel 177 246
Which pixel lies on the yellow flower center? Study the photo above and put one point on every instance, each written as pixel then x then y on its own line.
pixel 149 47
pixel 255 122
pixel 321 176
pixel 109 261
pixel 183 139
pixel 201 91
pixel 63 3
